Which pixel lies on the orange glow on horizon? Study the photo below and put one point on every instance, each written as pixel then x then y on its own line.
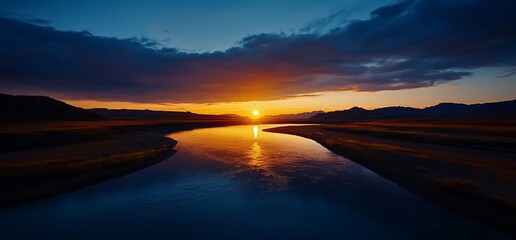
pixel 331 101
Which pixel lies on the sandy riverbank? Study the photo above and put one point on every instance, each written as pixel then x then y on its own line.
pixel 43 159
pixel 471 181
pixel 34 174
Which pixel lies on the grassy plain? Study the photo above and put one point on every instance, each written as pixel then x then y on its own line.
pixel 465 165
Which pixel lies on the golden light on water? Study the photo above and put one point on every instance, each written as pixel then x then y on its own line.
pixel 255 131
pixel 255 155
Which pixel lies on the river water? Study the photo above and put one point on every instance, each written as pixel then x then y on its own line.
pixel 238 182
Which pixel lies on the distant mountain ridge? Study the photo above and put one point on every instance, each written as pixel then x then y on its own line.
pixel 40 108
pixel 505 108
pixel 151 114
pixel 303 115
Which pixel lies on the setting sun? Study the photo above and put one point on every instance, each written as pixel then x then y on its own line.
pixel 256 113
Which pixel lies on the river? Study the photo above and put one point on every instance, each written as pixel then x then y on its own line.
pixel 238 182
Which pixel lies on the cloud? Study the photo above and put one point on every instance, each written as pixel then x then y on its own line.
pixel 37 21
pixel 410 44
pixel 508 73
pixel 318 25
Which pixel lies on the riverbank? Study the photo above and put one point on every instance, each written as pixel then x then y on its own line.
pixel 22 136
pixel 40 173
pixel 43 159
pixel 462 177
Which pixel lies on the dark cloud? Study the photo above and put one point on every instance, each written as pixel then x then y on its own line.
pixel 37 21
pixel 337 18
pixel 508 73
pixel 410 44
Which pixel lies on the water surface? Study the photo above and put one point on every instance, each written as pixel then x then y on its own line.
pixel 240 183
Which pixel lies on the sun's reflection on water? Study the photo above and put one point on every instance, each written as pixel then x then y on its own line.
pixel 255 156
pixel 272 160
pixel 255 131
pixel 258 162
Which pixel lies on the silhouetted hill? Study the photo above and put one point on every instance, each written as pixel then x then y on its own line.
pixel 304 115
pixel 507 108
pixel 448 109
pixel 402 112
pixel 150 114
pixel 485 109
pixel 354 113
pixel 40 108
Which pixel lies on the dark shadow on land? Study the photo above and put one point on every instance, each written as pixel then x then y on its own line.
pixel 40 179
pixel 464 165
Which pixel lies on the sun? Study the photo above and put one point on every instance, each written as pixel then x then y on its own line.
pixel 256 113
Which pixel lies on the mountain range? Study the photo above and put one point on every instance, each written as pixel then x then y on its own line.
pixel 506 108
pixel 297 116
pixel 40 108
pixel 151 114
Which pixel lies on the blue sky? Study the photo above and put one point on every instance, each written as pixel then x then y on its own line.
pixel 202 25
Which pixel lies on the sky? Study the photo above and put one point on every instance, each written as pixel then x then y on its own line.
pixel 194 26
pixel 276 56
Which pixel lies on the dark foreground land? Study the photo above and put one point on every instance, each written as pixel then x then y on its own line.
pixel 42 159
pixel 465 165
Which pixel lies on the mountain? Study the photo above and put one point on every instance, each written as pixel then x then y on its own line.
pixel 354 113
pixel 402 112
pixel 297 116
pixel 506 108
pixel 40 108
pixel 485 109
pixel 448 109
pixel 150 114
